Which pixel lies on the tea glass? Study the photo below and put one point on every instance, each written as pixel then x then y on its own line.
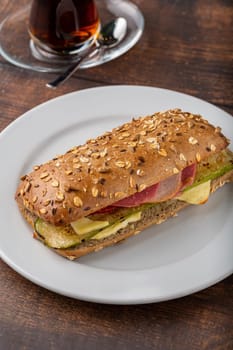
pixel 62 27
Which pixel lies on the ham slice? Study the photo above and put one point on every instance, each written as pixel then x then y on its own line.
pixel 161 191
pixel 188 175
pixel 138 198
pixel 167 189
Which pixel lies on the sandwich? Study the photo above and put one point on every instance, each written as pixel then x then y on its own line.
pixel 114 186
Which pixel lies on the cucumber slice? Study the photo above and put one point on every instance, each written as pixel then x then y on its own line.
pixel 216 166
pixel 59 237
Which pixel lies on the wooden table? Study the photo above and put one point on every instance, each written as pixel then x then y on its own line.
pixel 186 46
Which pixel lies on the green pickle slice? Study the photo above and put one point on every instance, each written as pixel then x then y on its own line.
pixel 216 166
pixel 60 237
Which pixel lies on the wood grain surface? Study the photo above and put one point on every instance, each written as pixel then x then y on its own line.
pixel 186 46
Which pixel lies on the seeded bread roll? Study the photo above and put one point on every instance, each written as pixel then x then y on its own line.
pixel 117 164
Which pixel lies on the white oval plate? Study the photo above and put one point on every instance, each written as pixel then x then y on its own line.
pixel 183 255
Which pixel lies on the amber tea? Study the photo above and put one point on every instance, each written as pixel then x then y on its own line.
pixel 63 26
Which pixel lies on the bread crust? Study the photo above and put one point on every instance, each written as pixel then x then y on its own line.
pixel 150 216
pixel 117 164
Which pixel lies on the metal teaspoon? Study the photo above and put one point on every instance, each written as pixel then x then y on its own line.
pixel 110 35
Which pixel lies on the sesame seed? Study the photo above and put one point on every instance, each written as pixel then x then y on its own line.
pixel 175 171
pixel 34 199
pixel 155 146
pixel 140 172
pixel 120 164
pixel 151 140
pixel 27 187
pixel 132 144
pixel 182 157
pixel 77 201
pixel 60 196
pixel 190 125
pixel 162 152
pixel 83 159
pixel 95 181
pixel 148 121
pixel 77 166
pixel 198 157
pixel 94 191
pixel 131 182
pixel 104 152
pixel 142 187
pixel 192 140
pixel 44 175
pixel 217 130
pixel 127 164
pixel 212 147
pixel 125 134
pixel 55 183
pixel 104 170
pixel 173 148
pixel 95 155
pixel 119 195
pixel 47 202
pixel 103 194
pixel 43 211
pixel 68 172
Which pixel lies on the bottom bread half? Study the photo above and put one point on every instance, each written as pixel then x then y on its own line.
pixel 150 215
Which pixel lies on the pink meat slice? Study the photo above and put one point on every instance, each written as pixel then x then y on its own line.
pixel 138 198
pixel 188 175
pixel 161 191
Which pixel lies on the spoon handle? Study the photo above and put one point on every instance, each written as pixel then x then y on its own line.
pixel 70 70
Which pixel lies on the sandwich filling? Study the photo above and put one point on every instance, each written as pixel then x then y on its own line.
pixel 192 185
